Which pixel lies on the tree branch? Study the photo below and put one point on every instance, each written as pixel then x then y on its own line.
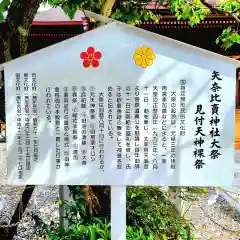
pixel 217 10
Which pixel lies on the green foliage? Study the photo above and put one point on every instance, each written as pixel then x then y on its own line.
pixel 134 233
pixel 134 14
pixel 80 225
pixel 98 229
pixel 228 38
pixel 69 12
pixel 94 6
pixel 130 12
pixel 149 208
pixel 1 17
pixel 192 11
pixel 231 6
pixel 70 7
pixel 4 5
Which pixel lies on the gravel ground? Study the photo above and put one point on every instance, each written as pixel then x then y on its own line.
pixel 218 221
pixel 46 207
pixel 10 195
pixel 3 164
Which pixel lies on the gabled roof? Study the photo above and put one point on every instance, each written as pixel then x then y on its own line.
pixel 57 15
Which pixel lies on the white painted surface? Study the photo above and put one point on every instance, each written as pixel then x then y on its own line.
pixel 3 166
pixel 118 213
pixel 174 61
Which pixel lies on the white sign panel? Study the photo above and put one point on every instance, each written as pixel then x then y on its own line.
pixel 120 106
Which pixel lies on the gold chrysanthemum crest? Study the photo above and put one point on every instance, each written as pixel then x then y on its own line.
pixel 144 56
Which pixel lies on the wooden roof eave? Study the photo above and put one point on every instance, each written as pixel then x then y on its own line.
pixel 58 23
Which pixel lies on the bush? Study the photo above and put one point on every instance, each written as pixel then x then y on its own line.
pixel 81 224
pixel 150 213
pixel 137 234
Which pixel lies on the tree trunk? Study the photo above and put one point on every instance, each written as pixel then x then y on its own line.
pixel 16 28
pixel 15 32
pixel 106 9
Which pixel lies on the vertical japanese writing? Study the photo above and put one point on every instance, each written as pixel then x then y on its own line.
pixel 198 152
pixel 84 138
pixel 92 109
pixel 182 107
pixel 19 139
pixel 66 125
pixel 110 112
pixel 173 132
pixel 87 125
pixel 215 101
pixel 92 142
pixel 35 118
pixel 83 104
pixel 101 129
pixel 57 127
pixel 83 97
pixel 27 122
pixel 49 104
pixel 18 83
pixel 75 117
pixel 128 133
pixel 146 128
pixel 92 103
pixel 137 128
pixel 119 128
pixel 155 122
pixel 34 82
pixel 164 124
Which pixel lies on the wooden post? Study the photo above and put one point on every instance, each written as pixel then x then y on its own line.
pixel 64 194
pixel 181 205
pixel 237 88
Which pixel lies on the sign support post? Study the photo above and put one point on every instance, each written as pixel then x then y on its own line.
pixel 118 212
